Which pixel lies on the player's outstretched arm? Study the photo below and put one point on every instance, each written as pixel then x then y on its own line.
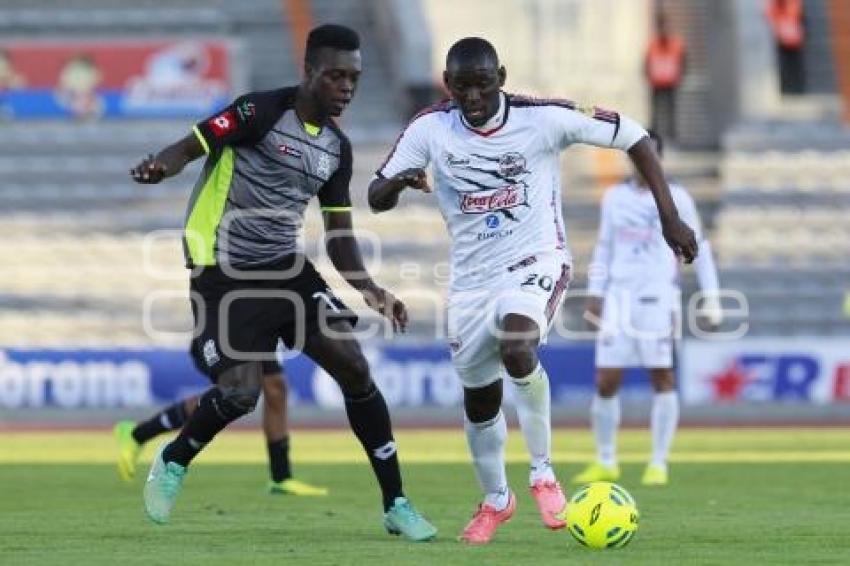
pixel 168 162
pixel 383 192
pixel 344 253
pixel 678 234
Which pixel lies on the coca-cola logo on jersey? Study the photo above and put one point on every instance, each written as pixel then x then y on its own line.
pixel 480 202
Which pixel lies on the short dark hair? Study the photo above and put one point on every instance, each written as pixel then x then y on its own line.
pixel 334 36
pixel 659 143
pixel 472 48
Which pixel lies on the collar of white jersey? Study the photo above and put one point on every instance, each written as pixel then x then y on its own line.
pixel 494 123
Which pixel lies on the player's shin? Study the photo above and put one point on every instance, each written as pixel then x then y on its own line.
pixel 171 418
pixel 279 464
pixel 487 445
pixel 370 420
pixel 605 418
pixel 533 405
pixel 214 412
pixel 663 422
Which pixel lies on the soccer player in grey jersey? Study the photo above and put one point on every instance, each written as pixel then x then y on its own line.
pixel 268 154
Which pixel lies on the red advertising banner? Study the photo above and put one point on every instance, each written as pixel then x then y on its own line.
pixel 115 78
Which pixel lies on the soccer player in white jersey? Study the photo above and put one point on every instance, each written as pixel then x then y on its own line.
pixel 495 162
pixel 637 275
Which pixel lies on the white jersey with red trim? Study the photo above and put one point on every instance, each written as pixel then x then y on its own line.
pixel 631 252
pixel 499 187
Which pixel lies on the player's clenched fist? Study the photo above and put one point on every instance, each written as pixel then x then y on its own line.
pixel 681 239
pixel 148 171
pixel 414 178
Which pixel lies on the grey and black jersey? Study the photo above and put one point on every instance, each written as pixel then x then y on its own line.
pixel 263 167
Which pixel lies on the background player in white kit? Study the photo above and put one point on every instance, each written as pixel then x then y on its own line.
pixel 495 160
pixel 637 275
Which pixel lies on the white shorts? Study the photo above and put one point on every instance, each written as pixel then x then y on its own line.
pixel 534 287
pixel 638 329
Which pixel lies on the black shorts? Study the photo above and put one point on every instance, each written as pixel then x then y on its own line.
pixel 240 320
pixel 270 367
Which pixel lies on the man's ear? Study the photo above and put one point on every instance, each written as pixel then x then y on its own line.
pixel 503 74
pixel 446 80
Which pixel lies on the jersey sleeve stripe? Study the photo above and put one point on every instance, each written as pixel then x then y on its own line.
pixel 336 208
pixel 523 100
pixel 201 139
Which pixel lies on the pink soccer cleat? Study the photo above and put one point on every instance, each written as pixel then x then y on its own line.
pixel 485 522
pixel 551 503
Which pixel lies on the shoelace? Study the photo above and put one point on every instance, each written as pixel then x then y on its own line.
pixel 481 520
pixel 408 513
pixel 171 482
pixel 545 486
pixel 481 515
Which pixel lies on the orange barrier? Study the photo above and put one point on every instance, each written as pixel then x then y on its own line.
pixel 839 17
pixel 300 16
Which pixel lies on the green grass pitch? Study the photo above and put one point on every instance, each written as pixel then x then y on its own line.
pixel 750 496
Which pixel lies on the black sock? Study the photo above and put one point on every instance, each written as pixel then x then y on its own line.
pixel 370 421
pixel 279 459
pixel 212 415
pixel 170 418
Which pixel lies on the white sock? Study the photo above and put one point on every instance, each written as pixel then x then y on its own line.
pixel 605 419
pixel 532 398
pixel 487 445
pixel 663 423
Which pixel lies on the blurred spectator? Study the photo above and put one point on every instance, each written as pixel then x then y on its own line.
pixel 9 80
pixel 786 22
pixel 77 88
pixel 664 68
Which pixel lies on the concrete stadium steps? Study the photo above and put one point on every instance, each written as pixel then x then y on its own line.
pixel 788 137
pixel 785 207
pixel 782 233
pixel 79 329
pixel 89 139
pixel 140 219
pixel 377 111
pixel 264 29
pixel 88 19
pixel 808 170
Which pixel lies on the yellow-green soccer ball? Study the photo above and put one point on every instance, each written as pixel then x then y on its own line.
pixel 602 515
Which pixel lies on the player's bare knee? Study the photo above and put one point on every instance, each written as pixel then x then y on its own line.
pixel 240 387
pixel 482 404
pixel 608 382
pixel 607 386
pixel 242 398
pixel 663 380
pixel 518 357
pixel 607 389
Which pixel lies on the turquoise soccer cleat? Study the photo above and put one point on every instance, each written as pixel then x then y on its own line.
pixel 162 487
pixel 403 519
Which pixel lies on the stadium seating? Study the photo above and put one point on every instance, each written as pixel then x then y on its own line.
pixel 81 263
pixel 782 232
